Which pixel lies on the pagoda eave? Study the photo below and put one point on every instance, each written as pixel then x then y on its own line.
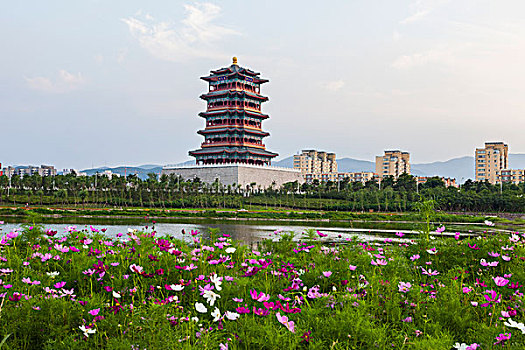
pixel 233 93
pixel 234 111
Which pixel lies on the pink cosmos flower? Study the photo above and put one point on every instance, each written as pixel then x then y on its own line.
pixel 404 287
pixel 379 262
pixel 456 236
pixel 407 320
pixel 440 229
pixel 414 257
pixel 285 322
pixel 429 272
pixel 94 312
pixel 327 273
pixel 500 281
pixel 493 254
pixel 136 268
pixel 467 290
pixel 352 267
pixel 237 300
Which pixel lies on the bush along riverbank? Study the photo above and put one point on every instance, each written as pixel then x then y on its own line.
pixel 142 290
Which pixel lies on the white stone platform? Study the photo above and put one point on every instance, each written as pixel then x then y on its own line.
pixel 240 174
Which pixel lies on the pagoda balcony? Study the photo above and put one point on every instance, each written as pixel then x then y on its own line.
pixel 232 143
pixel 231 104
pixel 238 122
pixel 235 86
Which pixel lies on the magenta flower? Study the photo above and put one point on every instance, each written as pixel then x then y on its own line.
pixel 242 310
pixel 259 297
pixel 500 339
pixel 352 267
pixel 400 234
pixel 260 311
pixel 321 234
pixel 493 254
pixel 467 290
pixel 327 273
pixel 500 281
pixel 414 257
pixel 407 320
pixel 456 236
pixel 285 322
pixel 59 285
pixel 94 312
pixel 475 247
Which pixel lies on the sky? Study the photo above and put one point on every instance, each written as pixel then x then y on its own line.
pixel 104 83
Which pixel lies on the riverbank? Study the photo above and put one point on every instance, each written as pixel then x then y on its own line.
pixel 256 214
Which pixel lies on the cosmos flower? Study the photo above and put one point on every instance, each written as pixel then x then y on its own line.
pixel 404 287
pixel 87 331
pixel 200 308
pixel 284 321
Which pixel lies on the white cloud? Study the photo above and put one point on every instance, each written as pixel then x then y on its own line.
pixel 65 82
pixel 441 56
pixel 197 37
pixel 333 86
pixel 421 9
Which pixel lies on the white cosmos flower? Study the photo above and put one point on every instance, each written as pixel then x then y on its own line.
pixel 116 295
pixel 513 324
pixel 87 331
pixel 210 296
pixel 176 287
pixel 232 316
pixel 195 319
pixel 53 274
pixel 200 308
pixel 217 281
pixel 230 250
pixel 216 315
pixel 461 346
pixel 489 223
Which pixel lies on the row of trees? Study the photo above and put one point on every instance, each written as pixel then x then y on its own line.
pixel 173 192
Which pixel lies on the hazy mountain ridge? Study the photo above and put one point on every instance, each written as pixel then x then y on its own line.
pixel 461 168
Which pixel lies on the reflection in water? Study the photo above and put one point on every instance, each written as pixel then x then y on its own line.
pixel 245 231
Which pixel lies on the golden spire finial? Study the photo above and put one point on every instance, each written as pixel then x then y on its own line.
pixel 235 60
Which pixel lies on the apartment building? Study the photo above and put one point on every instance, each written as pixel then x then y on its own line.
pixel 315 162
pixel 361 176
pixel 515 176
pixel 448 181
pixel 393 163
pixel 491 160
pixel 43 170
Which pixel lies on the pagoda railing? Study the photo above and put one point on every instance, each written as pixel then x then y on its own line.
pixel 232 143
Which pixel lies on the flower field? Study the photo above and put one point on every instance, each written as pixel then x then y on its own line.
pixel 79 289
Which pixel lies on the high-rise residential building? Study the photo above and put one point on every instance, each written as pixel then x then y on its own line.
pixel 315 162
pixel 233 132
pixel 491 160
pixel 393 163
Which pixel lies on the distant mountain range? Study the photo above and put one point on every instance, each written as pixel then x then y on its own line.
pixel 461 168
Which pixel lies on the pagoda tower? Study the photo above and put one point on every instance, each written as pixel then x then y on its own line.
pixel 233 132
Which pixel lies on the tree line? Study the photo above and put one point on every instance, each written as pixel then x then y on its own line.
pixel 390 195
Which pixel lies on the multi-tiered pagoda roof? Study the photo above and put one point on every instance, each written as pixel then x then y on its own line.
pixel 233 132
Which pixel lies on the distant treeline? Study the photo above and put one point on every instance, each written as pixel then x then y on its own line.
pixel 399 195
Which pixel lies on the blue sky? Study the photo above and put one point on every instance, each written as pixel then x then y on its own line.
pixel 99 83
